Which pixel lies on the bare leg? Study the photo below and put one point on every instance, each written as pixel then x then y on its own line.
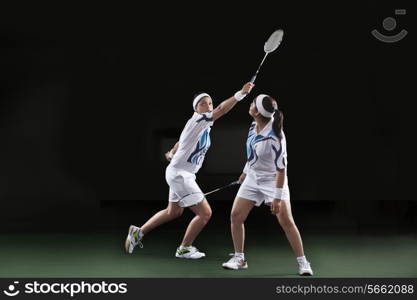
pixel 202 215
pixel 240 211
pixel 287 223
pixel 173 211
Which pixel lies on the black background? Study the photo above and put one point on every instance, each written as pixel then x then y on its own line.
pixel 88 93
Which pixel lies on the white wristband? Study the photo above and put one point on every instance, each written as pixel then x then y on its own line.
pixel 239 95
pixel 278 193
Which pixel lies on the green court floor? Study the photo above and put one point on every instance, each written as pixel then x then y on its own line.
pixel 268 255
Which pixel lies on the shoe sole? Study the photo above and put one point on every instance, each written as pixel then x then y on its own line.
pixel 127 242
pixel 189 257
pixel 305 274
pixel 239 268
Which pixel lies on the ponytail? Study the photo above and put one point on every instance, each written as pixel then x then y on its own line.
pixel 278 123
pixel 270 105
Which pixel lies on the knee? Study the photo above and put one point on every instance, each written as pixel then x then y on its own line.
pixel 174 213
pixel 236 217
pixel 205 215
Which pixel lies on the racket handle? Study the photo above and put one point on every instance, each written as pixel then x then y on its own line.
pixel 253 78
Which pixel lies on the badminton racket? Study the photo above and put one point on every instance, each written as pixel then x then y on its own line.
pixel 271 45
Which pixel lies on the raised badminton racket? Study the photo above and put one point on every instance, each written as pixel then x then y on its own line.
pixel 271 45
pixel 222 187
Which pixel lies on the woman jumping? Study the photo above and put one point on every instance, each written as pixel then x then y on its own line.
pixel 264 179
pixel 186 158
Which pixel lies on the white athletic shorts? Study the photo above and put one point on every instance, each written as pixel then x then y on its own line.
pixel 182 187
pixel 261 190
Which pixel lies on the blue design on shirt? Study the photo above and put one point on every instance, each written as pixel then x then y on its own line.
pixel 254 138
pixel 277 154
pixel 201 148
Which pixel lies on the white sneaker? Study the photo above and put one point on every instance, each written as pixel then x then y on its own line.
pixel 304 269
pixel 132 239
pixel 190 252
pixel 235 263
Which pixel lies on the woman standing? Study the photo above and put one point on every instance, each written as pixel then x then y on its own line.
pixel 264 179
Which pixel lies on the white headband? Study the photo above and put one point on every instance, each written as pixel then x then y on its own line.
pixel 198 98
pixel 260 107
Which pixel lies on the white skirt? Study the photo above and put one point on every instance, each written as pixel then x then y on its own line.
pixel 261 189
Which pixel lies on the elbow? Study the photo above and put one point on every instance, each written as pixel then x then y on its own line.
pixel 222 112
pixel 221 109
pixel 218 112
